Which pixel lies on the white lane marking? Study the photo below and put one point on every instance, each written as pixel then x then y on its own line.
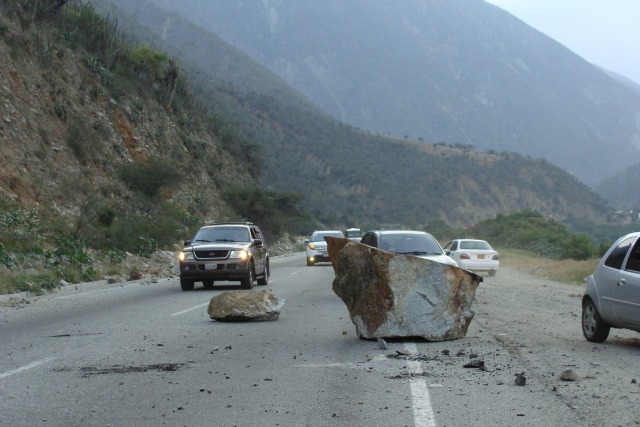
pixel 95 292
pixel 190 309
pixel 423 415
pixel 26 367
pixel 296 272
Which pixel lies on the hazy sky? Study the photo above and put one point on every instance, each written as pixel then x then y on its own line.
pixel 604 32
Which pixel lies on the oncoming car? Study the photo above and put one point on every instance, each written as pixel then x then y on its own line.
pixel 353 234
pixel 225 251
pixel 408 242
pixel 317 246
pixel 474 255
pixel 612 296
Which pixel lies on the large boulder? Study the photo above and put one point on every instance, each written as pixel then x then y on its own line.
pixel 245 306
pixel 393 296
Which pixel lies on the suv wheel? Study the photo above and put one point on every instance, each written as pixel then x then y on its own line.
pixel 186 285
pixel 593 327
pixel 264 280
pixel 247 281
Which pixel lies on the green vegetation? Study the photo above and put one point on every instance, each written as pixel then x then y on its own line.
pixel 531 232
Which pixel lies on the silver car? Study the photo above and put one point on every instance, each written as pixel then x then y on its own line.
pixel 612 296
pixel 317 246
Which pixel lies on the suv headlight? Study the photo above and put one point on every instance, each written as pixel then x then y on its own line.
pixel 239 254
pixel 312 246
pixel 185 255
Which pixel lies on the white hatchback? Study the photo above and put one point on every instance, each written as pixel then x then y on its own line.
pixel 474 255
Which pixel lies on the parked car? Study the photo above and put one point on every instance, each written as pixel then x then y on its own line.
pixel 225 251
pixel 474 255
pixel 317 246
pixel 612 296
pixel 408 242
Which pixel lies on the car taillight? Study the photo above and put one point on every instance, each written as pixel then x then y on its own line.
pixel 496 257
pixel 465 256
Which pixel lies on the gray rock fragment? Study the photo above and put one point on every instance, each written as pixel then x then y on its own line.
pixel 245 306
pixel 520 380
pixel 569 375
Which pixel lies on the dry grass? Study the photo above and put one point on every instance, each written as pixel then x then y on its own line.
pixel 567 270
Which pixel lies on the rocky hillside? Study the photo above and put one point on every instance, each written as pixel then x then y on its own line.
pixel 100 142
pixel 107 141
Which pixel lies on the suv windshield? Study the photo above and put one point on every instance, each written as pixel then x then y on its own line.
pixel 475 244
pixel 222 234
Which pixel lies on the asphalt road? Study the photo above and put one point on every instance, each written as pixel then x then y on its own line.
pixel 147 354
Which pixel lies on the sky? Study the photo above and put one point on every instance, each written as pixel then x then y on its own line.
pixel 604 32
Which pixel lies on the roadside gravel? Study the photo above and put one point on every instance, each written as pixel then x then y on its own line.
pixel 538 322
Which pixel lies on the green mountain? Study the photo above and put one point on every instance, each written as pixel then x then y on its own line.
pixel 454 71
pixel 348 176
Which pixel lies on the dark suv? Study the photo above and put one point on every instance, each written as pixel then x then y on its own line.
pixel 225 251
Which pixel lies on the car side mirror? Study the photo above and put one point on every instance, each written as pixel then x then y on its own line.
pixel 447 252
pixel 187 242
pixel 306 241
pixel 257 242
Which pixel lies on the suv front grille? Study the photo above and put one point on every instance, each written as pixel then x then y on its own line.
pixel 212 254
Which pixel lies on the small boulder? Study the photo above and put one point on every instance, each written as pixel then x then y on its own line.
pixel 245 306
pixel 569 375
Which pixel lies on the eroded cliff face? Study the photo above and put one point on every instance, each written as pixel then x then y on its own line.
pixel 66 129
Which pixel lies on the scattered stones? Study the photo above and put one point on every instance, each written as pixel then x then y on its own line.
pixel 520 380
pixel 476 363
pixel 245 306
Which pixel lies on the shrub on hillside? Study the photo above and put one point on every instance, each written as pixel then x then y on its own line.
pixel 532 232
pixel 149 176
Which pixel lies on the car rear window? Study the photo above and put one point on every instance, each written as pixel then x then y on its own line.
pixel 475 244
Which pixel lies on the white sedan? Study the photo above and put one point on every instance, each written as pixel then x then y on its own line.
pixel 474 255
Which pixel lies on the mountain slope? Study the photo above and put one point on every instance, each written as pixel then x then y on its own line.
pixel 101 146
pixel 349 177
pixel 459 71
pixel 622 190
